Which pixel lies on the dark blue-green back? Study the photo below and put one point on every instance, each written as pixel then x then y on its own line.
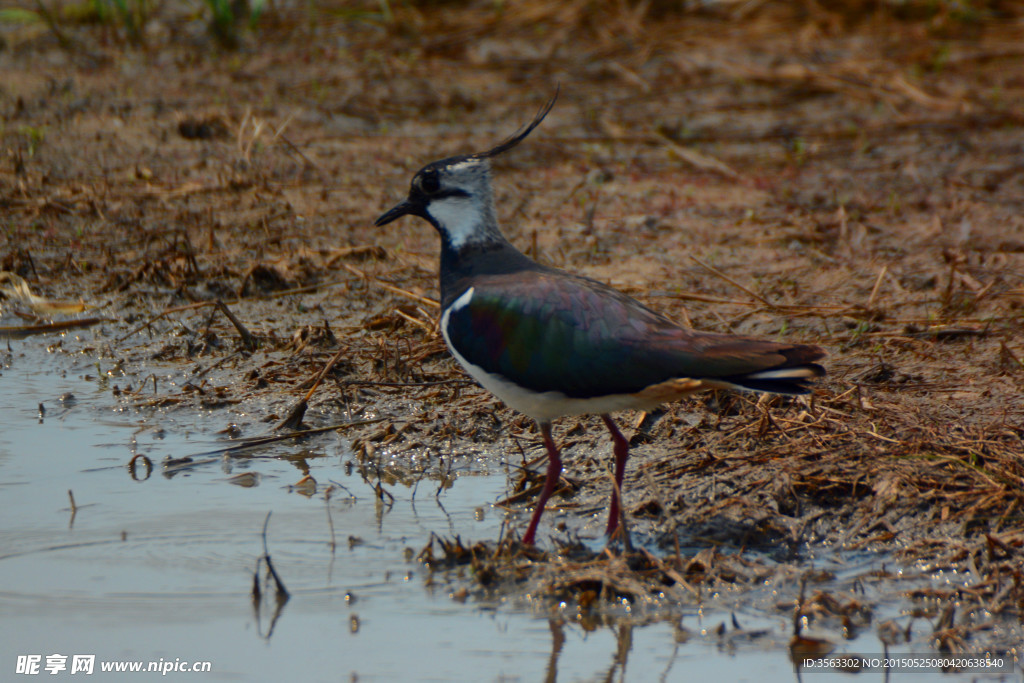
pixel 547 330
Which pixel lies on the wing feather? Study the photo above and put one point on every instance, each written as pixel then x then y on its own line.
pixel 550 331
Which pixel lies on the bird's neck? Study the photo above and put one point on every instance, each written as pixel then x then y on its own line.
pixel 465 219
pixel 474 259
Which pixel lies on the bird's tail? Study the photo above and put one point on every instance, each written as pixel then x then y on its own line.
pixel 792 376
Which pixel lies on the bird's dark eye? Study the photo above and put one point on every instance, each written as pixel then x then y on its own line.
pixel 429 182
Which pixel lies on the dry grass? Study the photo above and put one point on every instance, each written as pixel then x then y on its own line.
pixel 841 173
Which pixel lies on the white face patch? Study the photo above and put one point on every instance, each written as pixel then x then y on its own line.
pixel 460 218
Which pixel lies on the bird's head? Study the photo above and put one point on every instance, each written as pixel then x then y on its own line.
pixel 454 194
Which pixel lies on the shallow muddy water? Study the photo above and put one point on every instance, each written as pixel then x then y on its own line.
pixel 160 569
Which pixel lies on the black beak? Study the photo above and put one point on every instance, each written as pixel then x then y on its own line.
pixel 404 208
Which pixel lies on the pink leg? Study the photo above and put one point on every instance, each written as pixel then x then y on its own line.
pixel 550 482
pixel 621 447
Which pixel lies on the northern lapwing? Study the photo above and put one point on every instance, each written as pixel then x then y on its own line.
pixel 551 344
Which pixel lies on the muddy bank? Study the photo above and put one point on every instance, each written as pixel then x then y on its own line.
pixel 848 178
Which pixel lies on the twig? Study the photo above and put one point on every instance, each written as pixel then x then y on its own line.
pixel 212 366
pixel 878 284
pixel 300 290
pixel 379 489
pixel 728 279
pixel 74 509
pixel 371 250
pixel 22 331
pixel 330 521
pixel 247 339
pixel 294 418
pixel 371 383
pixel 264 440
pixel 699 160
pixel 167 311
pixel 282 592
pixel 279 134
pixel 670 573
pixel 391 288
pixel 427 327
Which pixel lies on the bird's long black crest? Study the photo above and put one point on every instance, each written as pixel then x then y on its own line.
pixel 521 134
